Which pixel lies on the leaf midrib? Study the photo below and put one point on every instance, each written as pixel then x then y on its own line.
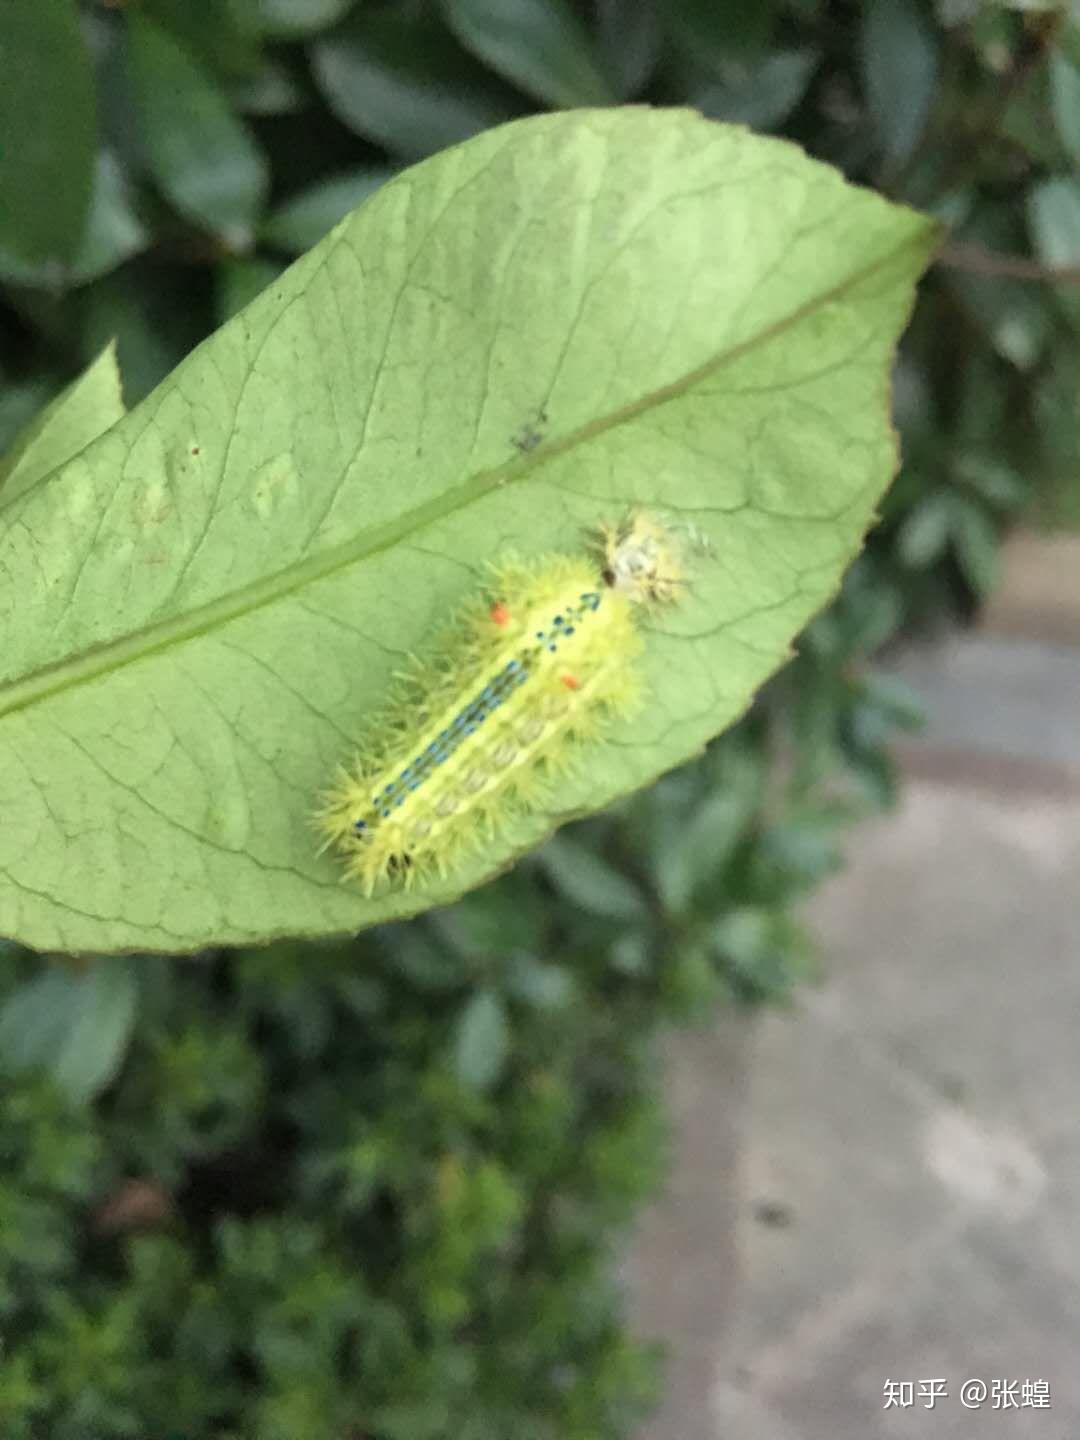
pixel 152 639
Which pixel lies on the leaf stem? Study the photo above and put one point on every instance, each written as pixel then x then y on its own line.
pixel 977 260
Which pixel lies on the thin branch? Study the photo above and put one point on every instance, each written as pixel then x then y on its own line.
pixel 977 261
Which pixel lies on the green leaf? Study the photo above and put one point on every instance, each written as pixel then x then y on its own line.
pixel 303 221
pixel 75 1025
pixel 760 95
pixel 539 45
pixel 493 922
pixel 405 84
pixel 925 531
pixel 1054 217
pixel 240 280
pixel 67 425
pixel 481 1040
pixel 999 483
pixel 1015 314
pixel 694 861
pixel 96 1041
pixel 872 614
pixel 34 1020
pixel 1068 38
pixel 1065 101
pixel 48 132
pixel 1054 211
pixel 201 155
pixel 288 19
pixel 631 42
pixel 1027 120
pixel 272 90
pixel 761 954
pixel 204 609
pixel 1056 480
pixel 543 986
pixel 112 234
pixel 900 65
pixel 978 546
pixel 745 936
pixel 714 32
pixel 222 34
pixel 587 880
pixel 895 698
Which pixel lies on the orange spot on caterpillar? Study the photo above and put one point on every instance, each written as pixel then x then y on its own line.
pixel 500 613
pixel 570 681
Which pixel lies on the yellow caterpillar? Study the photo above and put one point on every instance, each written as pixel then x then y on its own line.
pixel 540 664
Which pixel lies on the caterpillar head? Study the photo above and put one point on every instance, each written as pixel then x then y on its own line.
pixel 642 558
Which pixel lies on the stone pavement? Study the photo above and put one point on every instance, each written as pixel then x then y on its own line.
pixel 883 1184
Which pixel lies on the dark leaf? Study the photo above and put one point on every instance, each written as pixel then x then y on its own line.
pixel 588 880
pixel 631 42
pixel 302 221
pixel 1065 102
pixel 760 95
pixel 201 155
pixel 240 279
pixel 539 45
pixel 406 85
pixel 290 19
pixel 900 66
pixel 481 1040
pixel 48 132
pixel 76 1025
pixel 714 32
pixel 222 34
pixel 977 543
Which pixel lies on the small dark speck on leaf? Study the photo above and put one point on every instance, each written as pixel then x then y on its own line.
pixel 531 434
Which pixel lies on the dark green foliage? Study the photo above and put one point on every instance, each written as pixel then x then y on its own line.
pixel 353 1228
pixel 369 1192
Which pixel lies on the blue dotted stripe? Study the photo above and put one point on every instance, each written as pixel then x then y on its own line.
pixel 465 723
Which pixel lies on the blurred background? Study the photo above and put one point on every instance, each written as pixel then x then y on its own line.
pixel 815 994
